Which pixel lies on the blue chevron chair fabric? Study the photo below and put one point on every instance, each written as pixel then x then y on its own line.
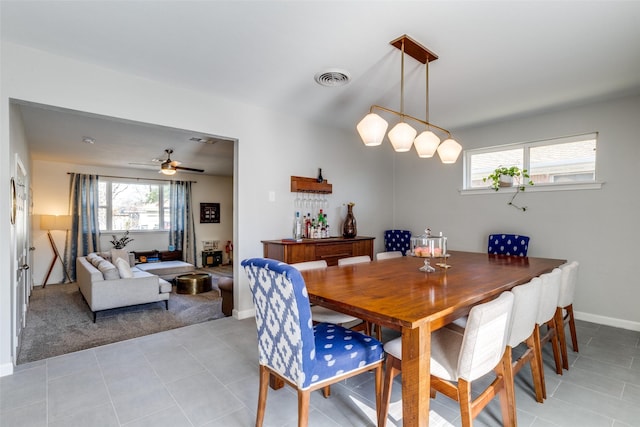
pixel 397 240
pixel 307 357
pixel 508 244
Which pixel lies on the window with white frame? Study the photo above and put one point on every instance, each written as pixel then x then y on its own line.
pixel 565 160
pixel 133 205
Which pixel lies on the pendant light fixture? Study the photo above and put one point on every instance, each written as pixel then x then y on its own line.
pixel 372 127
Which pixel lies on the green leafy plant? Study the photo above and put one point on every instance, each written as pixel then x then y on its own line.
pixel 518 178
pixel 121 242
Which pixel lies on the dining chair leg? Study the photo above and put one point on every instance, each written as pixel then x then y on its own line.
pixel 555 345
pixel 378 373
pixel 507 395
pixel 562 338
pixel 326 391
pixel 392 369
pixel 572 327
pixel 262 395
pixel 534 363
pixel 538 355
pixel 303 407
pixel 464 395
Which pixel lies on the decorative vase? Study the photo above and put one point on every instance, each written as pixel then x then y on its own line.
pixel 506 181
pixel 349 228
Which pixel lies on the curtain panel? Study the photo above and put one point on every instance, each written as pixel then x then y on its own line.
pixel 182 233
pixel 84 237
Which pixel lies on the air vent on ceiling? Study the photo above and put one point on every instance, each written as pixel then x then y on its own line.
pixel 332 77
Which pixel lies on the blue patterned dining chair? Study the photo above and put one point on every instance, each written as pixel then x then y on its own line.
pixel 397 240
pixel 291 348
pixel 508 244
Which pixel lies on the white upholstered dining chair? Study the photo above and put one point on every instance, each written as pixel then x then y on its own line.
pixel 388 255
pixel 354 260
pixel 457 359
pixel 564 311
pixel 549 293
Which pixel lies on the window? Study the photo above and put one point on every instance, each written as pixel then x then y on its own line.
pixel 133 205
pixel 558 161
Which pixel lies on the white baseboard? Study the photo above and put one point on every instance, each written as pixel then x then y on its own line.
pixel 609 321
pixel 244 314
pixel 6 369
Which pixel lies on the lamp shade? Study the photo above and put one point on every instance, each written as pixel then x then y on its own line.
pixel 426 144
pixel 402 136
pixel 372 129
pixel 449 151
pixel 168 171
pixel 55 222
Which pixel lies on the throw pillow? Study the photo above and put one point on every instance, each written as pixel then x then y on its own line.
pixel 97 260
pixel 119 254
pixel 124 269
pixel 108 270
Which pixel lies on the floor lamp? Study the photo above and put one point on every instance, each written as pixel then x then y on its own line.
pixel 55 222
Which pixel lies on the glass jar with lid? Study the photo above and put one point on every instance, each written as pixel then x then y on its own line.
pixel 429 246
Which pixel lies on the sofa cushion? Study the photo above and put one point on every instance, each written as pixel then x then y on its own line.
pixel 164 286
pixel 119 253
pixel 166 268
pixel 123 268
pixel 95 260
pixel 108 270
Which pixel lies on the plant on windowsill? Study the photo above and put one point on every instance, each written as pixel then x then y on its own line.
pixel 121 242
pixel 510 177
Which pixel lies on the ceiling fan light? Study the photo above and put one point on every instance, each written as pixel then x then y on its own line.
pixel 426 144
pixel 372 129
pixel 168 171
pixel 402 136
pixel 449 151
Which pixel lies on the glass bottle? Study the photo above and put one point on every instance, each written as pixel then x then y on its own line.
pixel 297 227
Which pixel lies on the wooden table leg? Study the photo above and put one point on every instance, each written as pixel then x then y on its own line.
pixel 416 384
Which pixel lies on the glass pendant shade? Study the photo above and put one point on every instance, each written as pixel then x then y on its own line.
pixel 372 129
pixel 402 136
pixel 449 151
pixel 426 144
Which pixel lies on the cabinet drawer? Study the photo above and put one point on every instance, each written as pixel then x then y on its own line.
pixel 339 250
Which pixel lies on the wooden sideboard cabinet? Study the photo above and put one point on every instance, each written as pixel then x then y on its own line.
pixel 330 250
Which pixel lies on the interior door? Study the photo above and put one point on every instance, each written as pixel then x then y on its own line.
pixel 21 250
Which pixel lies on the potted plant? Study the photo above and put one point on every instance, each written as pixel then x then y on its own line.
pixel 121 242
pixel 510 177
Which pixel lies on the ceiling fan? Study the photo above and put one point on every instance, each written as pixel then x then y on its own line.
pixel 169 167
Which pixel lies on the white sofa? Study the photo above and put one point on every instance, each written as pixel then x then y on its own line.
pixel 104 293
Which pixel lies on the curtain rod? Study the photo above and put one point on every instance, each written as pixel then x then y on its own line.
pixel 138 179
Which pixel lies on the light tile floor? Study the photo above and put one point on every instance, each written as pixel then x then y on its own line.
pixel 206 375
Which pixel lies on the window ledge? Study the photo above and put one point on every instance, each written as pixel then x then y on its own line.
pixel 536 188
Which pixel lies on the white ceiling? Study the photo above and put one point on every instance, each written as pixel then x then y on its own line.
pixel 497 59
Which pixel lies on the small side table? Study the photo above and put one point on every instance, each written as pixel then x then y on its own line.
pixel 193 283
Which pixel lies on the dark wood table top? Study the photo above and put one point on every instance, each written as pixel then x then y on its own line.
pixel 394 293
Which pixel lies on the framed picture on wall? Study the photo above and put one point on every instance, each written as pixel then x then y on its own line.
pixel 209 212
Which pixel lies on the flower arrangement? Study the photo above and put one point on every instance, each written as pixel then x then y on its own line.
pixel 121 242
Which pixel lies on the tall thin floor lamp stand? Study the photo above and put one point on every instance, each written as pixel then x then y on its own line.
pixel 55 222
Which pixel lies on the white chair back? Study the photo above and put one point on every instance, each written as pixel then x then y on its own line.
pixel 309 265
pixel 485 337
pixel 354 260
pixel 387 255
pixel 525 311
pixel 568 284
pixel 549 295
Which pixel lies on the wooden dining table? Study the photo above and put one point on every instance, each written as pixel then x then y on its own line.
pixel 395 294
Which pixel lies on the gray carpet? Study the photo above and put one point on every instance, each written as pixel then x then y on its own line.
pixel 59 321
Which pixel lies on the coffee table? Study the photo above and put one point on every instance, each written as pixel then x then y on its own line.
pixel 193 283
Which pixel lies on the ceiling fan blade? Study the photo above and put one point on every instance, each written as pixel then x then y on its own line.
pixel 188 169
